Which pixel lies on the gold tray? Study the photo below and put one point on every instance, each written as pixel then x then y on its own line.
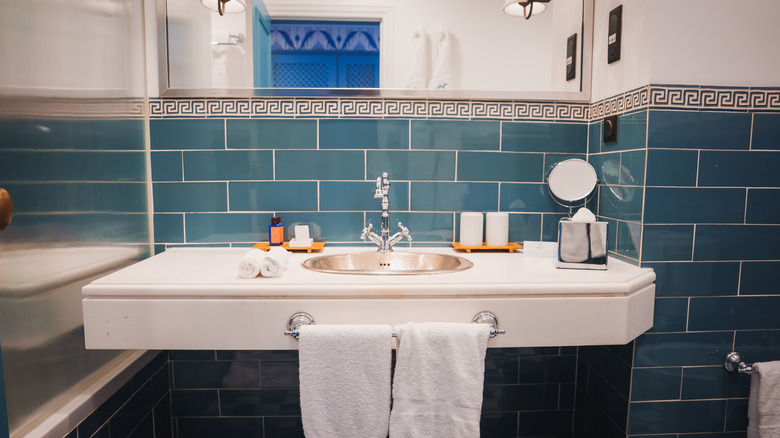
pixel 511 247
pixel 315 246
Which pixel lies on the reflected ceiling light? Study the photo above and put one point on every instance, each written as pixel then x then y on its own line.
pixel 525 9
pixel 224 6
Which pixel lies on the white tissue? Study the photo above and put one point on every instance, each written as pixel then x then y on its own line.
pixel 251 263
pixel 583 215
pixel 275 261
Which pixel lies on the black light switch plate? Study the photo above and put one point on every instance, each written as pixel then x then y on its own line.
pixel 613 35
pixel 610 129
pixel 571 57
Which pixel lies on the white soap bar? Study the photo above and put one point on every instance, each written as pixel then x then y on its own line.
pixel 301 239
pixel 471 229
pixel 302 232
pixel 497 229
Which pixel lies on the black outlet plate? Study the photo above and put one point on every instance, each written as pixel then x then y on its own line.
pixel 613 35
pixel 610 129
pixel 571 57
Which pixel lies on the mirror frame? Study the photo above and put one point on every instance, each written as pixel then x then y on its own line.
pixel 583 95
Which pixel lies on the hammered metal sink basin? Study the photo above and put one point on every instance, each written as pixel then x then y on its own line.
pixel 392 263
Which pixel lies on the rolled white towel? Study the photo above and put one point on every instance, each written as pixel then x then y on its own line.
pixel 275 261
pixel 252 262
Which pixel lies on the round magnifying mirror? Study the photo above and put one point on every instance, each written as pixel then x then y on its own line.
pixel 572 182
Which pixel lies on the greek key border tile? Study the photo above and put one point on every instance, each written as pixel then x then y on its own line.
pixel 405 108
pixel 368 108
pixel 629 101
pixel 690 97
pixel 63 108
pixel 651 96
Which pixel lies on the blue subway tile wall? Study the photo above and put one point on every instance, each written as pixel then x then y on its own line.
pixel 603 391
pixel 658 186
pixel 456 134
pixel 620 167
pixel 527 392
pixel 216 179
pixel 709 230
pixel 140 408
pixel 271 133
pixel 4 428
pixel 77 172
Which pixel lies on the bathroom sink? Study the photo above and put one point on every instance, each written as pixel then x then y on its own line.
pixel 389 263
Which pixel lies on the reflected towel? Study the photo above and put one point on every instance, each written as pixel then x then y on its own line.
pixel 582 242
pixel 573 242
pixel 345 380
pixel 437 386
pixel 418 71
pixel 251 263
pixel 275 262
pixel 441 76
pixel 764 402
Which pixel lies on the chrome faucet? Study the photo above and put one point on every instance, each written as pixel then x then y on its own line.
pixel 383 239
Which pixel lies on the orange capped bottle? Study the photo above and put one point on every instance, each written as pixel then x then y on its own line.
pixel 276 231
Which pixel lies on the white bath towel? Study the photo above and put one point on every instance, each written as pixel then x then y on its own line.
pixel 437 386
pixel 441 77
pixel 418 62
pixel 251 263
pixel 275 262
pixel 764 402
pixel 345 380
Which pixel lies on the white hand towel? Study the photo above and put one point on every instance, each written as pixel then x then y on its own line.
pixel 437 386
pixel 251 263
pixel 440 77
pixel 764 402
pixel 275 262
pixel 345 380
pixel 418 68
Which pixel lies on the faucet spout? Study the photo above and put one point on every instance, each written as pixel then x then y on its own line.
pixel 383 240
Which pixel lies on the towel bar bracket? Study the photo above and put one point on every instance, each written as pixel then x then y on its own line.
pixel 490 319
pixel 302 318
pixel 735 364
pixel 296 321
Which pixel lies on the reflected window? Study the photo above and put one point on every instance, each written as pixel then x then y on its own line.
pixel 325 54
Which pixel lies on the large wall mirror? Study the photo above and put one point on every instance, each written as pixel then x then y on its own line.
pixel 389 48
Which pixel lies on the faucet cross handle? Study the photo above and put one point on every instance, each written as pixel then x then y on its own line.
pixel 404 231
pixel 366 231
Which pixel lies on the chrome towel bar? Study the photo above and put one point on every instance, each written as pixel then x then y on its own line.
pixel 735 364
pixel 302 318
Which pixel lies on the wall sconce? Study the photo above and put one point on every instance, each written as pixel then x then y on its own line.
pixel 224 6
pixel 525 9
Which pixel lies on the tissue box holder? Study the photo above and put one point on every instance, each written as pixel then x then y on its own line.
pixel 582 245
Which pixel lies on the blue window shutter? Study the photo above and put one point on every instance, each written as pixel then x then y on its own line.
pixel 305 71
pixel 359 71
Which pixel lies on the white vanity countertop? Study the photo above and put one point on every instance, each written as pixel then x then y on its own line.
pixel 193 298
pixel 214 272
